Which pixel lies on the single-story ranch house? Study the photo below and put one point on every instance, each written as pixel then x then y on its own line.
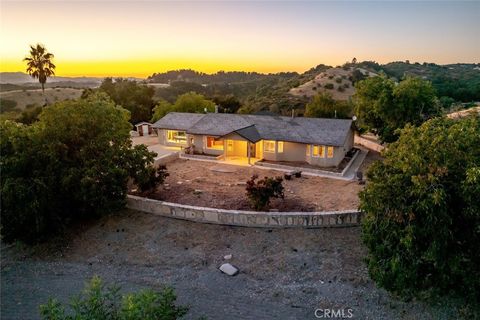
pixel 316 141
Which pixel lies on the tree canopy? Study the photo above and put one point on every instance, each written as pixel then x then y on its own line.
pixel 422 214
pixel 73 163
pixel 324 106
pixel 187 102
pixel 136 98
pixel 383 107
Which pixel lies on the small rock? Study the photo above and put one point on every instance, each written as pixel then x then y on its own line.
pixel 227 268
pixel 227 257
pixel 187 181
pixel 179 182
pixel 291 192
pixel 197 191
pixel 166 184
pixel 134 190
pixel 167 188
pixel 241 183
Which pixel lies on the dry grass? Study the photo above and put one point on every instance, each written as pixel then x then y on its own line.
pixel 27 97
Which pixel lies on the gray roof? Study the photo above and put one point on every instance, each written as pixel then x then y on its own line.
pixel 256 127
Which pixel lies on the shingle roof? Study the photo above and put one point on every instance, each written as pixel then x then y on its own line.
pixel 255 127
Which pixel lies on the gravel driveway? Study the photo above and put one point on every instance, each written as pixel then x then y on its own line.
pixel 284 274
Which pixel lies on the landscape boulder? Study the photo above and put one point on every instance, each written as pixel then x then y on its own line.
pixel 227 268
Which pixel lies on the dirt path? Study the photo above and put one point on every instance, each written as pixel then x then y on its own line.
pixel 284 274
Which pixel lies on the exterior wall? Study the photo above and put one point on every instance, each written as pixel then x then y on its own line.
pixel 246 218
pixel 350 141
pixel 140 129
pixel 295 152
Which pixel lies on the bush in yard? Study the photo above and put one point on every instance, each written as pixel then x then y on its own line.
pixel 73 163
pixel 148 179
pixel 97 301
pixel 260 192
pixel 422 211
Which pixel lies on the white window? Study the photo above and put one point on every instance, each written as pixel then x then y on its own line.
pixel 280 146
pixel 330 152
pixel 308 150
pixel 176 136
pixel 212 143
pixel 269 146
pixel 318 151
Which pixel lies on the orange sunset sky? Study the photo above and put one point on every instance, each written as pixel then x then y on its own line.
pixel 126 38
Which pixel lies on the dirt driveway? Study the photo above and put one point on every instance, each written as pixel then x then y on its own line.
pixel 284 274
pixel 216 185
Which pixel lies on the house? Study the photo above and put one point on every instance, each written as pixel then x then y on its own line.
pixel 316 141
pixel 144 128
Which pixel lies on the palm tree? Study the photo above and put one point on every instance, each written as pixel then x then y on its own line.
pixel 39 65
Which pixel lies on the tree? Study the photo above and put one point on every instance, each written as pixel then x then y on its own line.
pixel 227 103
pixel 383 107
pixel 99 301
pixel 260 192
pixel 193 102
pixel 136 98
pixel 324 106
pixel 40 65
pixel 422 214
pixel 73 163
pixel 161 109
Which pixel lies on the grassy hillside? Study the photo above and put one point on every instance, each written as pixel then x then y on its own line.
pixel 23 98
pixel 337 81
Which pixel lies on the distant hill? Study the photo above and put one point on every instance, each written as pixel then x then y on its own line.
pixel 339 82
pixel 23 78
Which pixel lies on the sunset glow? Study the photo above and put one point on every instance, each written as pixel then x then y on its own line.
pixel 139 38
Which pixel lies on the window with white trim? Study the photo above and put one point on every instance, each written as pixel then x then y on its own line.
pixel 329 152
pixel 176 136
pixel 280 146
pixel 269 146
pixel 318 151
pixel 213 143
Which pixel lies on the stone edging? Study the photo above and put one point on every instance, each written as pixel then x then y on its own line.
pixel 323 219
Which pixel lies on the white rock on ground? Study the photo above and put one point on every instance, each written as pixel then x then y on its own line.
pixel 227 268
pixel 227 257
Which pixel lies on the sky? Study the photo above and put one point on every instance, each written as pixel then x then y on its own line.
pixel 138 38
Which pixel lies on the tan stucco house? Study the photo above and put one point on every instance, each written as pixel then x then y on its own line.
pixel 316 141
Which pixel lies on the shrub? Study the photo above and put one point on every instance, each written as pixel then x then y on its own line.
pixel 346 85
pixel 330 76
pixel 314 88
pixel 340 89
pixel 149 179
pixel 97 301
pixel 328 86
pixel 260 192
pixel 7 105
pixel 72 164
pixel 422 214
pixel 338 80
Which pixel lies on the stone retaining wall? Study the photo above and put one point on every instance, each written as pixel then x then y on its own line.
pixel 163 160
pixel 246 218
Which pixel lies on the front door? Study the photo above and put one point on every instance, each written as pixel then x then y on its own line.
pixel 252 150
pixel 145 130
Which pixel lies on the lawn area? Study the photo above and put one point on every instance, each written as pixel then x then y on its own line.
pixel 208 184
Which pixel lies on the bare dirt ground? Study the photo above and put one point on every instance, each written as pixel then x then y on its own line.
pixel 226 190
pixel 284 274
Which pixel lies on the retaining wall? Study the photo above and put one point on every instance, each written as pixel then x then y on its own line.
pixel 368 143
pixel 246 218
pixel 163 160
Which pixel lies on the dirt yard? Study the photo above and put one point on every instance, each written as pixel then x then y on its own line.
pixel 284 273
pixel 215 185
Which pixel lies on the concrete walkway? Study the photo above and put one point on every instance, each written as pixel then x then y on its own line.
pixel 352 171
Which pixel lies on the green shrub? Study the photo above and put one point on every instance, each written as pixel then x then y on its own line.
pixel 260 192
pixel 422 214
pixel 340 89
pixel 97 301
pixel 346 85
pixel 314 88
pixel 338 80
pixel 328 86
pixel 72 164
pixel 149 179
pixel 330 76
